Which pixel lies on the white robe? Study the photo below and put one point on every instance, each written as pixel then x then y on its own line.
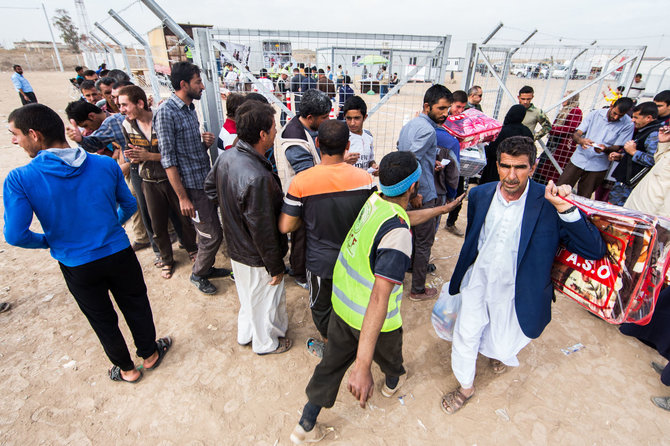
pixel 487 322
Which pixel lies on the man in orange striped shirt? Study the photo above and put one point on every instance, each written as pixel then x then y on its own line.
pixel 326 199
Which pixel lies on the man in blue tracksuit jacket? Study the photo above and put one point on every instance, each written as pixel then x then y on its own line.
pixel 75 196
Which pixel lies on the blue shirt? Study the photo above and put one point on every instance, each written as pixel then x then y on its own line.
pixel 21 83
pixel 598 129
pixel 448 141
pixel 111 130
pixel 418 136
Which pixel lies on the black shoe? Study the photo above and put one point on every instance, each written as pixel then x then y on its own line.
pixel 431 268
pixel 213 273
pixel 203 284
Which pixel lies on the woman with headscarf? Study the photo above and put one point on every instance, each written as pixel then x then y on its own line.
pixel 560 142
pixel 512 126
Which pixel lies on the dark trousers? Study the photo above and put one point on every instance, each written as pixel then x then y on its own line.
pixel 121 275
pixel 298 254
pixel 31 97
pixel 161 201
pixel 320 290
pixel 453 215
pixel 588 181
pixel 422 243
pixel 209 231
pixel 340 353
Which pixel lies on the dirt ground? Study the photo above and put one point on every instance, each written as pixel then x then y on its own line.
pixel 211 391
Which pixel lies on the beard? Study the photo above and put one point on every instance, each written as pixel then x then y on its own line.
pixel 194 94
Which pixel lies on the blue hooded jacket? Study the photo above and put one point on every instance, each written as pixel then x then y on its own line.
pixel 74 196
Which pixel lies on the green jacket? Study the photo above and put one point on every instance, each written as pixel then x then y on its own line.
pixel 535 116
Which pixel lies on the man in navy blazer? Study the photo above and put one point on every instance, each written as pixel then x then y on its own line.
pixel 503 271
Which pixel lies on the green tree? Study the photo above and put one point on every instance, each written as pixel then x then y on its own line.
pixel 68 31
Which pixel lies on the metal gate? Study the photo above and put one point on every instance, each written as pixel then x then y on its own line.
pixel 586 77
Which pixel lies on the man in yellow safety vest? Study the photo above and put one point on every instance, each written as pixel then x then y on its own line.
pixel 365 323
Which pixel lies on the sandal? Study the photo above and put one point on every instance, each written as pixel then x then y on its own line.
pixel 452 402
pixel 284 346
pixel 193 255
pixel 498 367
pixel 162 347
pixel 115 375
pixel 167 270
pixel 158 262
pixel 315 347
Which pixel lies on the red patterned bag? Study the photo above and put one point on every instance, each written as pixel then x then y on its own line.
pixel 472 127
pixel 622 286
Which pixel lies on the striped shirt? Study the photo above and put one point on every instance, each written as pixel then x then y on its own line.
pixel 180 143
pixel 328 199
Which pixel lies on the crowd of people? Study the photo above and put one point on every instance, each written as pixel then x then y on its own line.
pixel 356 225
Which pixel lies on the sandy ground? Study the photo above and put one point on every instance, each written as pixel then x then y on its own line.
pixel 211 391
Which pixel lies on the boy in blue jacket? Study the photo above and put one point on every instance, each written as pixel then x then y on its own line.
pixel 75 196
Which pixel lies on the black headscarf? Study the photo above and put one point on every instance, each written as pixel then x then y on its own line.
pixel 512 126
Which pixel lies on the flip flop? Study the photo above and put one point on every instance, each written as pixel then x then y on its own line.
pixel 315 347
pixel 5 306
pixel 167 271
pixel 115 375
pixel 498 366
pixel 284 346
pixel 455 401
pixel 162 347
pixel 158 262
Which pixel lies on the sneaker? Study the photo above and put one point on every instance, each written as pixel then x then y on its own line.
pixel 302 284
pixel 213 273
pixel 431 268
pixel 428 294
pixel 454 230
pixel 203 284
pixel 661 401
pixel 388 392
pixel 300 436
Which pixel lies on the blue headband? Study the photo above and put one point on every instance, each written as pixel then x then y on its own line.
pixel 401 187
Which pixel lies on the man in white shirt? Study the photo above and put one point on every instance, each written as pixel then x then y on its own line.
pixel 637 87
pixel 361 151
pixel 503 271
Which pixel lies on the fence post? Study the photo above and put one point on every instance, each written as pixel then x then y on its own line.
pixel 211 99
pixel 126 62
pixel 53 40
pixel 147 53
pixel 108 51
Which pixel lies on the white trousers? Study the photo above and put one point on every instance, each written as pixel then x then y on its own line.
pixel 262 318
pixel 486 324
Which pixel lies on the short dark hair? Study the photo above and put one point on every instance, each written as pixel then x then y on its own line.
pixel 395 167
pixel 104 72
pixel 79 111
pixel 347 79
pixel 251 118
pixel 89 73
pixel 460 96
pixel 435 93
pixel 14 67
pixel 87 85
pixel 517 146
pixel 474 89
pixel 314 103
pixel 183 71
pixel 121 84
pixel 333 137
pixel 639 75
pixel 135 94
pixel 321 71
pixel 263 72
pixel 78 68
pixel 647 109
pixel 663 96
pixel 355 103
pixel 526 89
pixel 118 75
pixel 623 104
pixel 106 81
pixel 233 101
pixel 39 118
pixel 256 97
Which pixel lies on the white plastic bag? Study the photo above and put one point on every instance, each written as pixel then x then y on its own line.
pixel 445 312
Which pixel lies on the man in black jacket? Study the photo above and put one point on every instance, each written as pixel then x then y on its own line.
pixel 250 197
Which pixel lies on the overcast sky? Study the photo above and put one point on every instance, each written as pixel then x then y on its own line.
pixel 611 22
